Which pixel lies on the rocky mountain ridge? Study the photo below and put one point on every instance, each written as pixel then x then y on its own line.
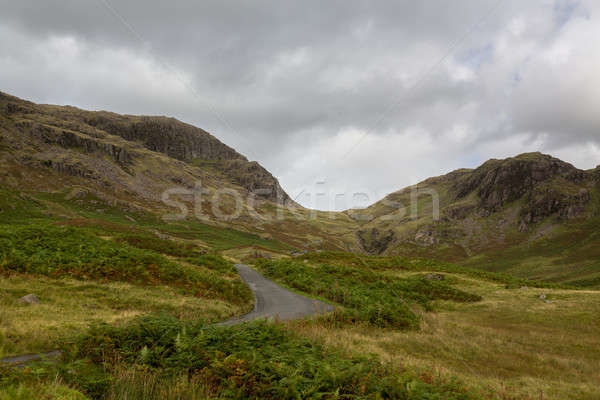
pixel 143 154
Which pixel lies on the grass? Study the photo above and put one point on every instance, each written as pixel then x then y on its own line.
pixel 69 306
pixel 82 278
pixel 70 252
pixel 50 391
pixel 511 343
pixel 569 256
pixel 367 296
pixel 398 263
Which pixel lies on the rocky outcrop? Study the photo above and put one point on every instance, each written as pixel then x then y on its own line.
pixel 545 203
pixel 168 136
pixel 71 140
pixel 499 182
pixel 256 179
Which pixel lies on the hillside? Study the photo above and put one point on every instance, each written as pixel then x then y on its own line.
pixel 117 155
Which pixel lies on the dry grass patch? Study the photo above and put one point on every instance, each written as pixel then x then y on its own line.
pixel 512 342
pixel 69 306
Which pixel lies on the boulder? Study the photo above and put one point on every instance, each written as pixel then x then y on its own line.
pixel 29 299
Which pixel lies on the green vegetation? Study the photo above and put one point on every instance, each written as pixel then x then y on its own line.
pixel 68 306
pixel 571 255
pixel 71 252
pixel 399 264
pixel 367 295
pixel 518 342
pixel 40 392
pixel 253 361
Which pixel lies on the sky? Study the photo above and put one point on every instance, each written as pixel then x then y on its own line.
pixel 344 101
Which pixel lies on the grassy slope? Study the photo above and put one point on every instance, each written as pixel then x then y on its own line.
pixel 571 255
pixel 87 261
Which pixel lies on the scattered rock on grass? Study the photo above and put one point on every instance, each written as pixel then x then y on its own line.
pixel 435 277
pixel 29 299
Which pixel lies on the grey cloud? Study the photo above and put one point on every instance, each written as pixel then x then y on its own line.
pixel 291 79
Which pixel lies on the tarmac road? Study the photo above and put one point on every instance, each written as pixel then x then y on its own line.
pixel 273 301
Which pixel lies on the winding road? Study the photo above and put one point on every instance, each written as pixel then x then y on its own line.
pixel 270 301
pixel 274 301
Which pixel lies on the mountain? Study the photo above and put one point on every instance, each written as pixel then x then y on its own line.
pixel 116 154
pixel 131 161
pixel 531 215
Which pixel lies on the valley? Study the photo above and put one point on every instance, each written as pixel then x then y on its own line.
pixel 479 284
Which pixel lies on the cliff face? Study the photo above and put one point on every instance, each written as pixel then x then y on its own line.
pixel 142 155
pixel 166 135
pixel 540 180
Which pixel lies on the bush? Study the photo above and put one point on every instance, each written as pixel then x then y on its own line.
pixel 163 246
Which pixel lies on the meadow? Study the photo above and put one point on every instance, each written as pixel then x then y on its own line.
pixel 523 339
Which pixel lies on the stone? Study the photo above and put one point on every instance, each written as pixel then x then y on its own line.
pixel 29 299
pixel 435 277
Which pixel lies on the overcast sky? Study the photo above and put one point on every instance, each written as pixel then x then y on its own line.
pixel 333 96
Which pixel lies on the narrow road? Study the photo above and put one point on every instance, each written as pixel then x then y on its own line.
pixel 273 301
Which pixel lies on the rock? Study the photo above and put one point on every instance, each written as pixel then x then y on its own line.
pixel 29 299
pixel 76 193
pixel 435 277
pixel 426 238
pixel 543 296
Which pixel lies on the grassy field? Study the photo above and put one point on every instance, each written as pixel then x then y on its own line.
pixel 165 358
pixel 90 270
pixel 69 306
pixel 511 344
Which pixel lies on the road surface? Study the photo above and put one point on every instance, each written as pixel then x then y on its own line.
pixel 273 301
